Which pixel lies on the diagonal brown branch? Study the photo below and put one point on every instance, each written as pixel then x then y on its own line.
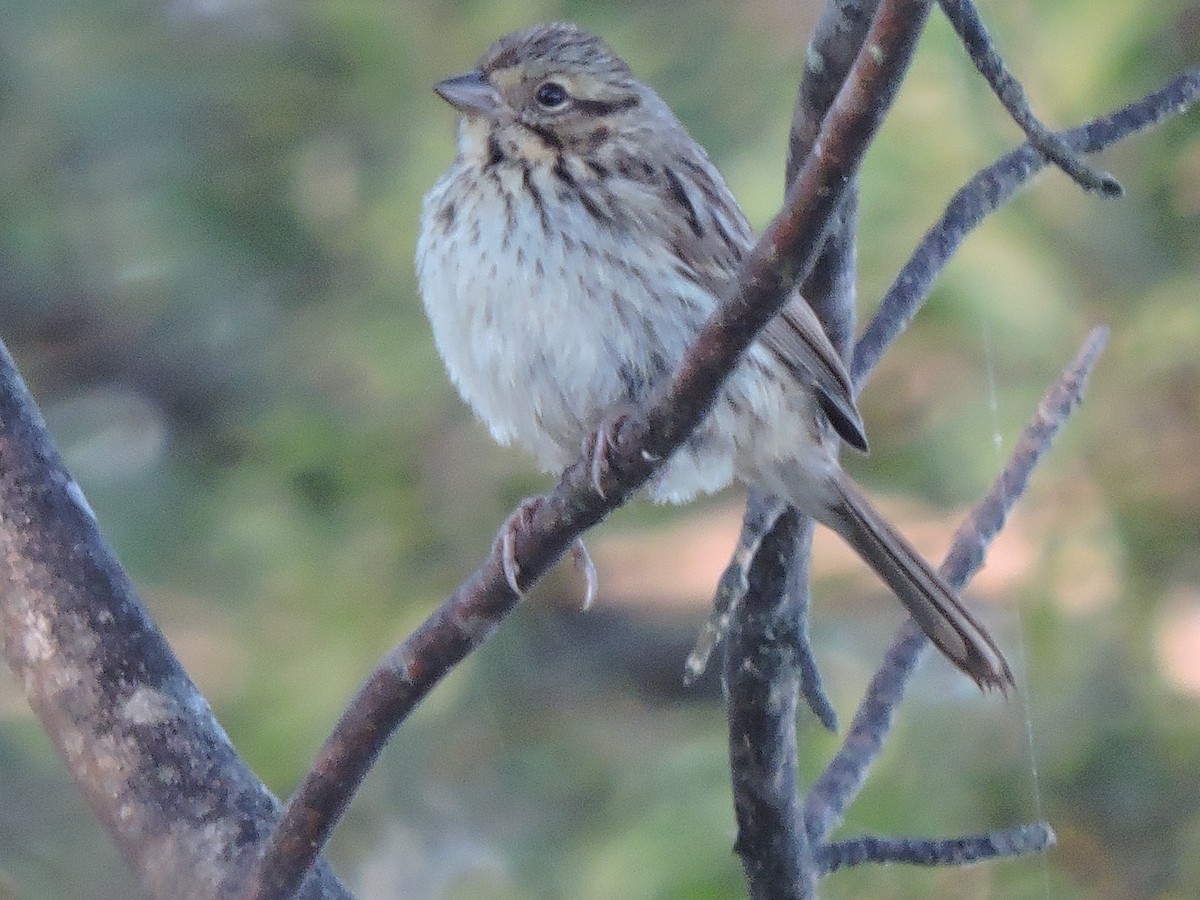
pixel 785 253
pixel 782 257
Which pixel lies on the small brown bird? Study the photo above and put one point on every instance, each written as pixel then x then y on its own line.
pixel 571 254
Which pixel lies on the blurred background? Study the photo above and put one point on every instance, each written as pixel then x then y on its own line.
pixel 207 217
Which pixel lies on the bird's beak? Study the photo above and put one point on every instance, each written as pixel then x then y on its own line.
pixel 469 93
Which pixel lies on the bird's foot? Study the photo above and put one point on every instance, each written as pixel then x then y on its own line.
pixel 521 518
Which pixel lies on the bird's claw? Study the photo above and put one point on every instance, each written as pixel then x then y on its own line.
pixel 521 518
pixel 598 448
pixel 584 564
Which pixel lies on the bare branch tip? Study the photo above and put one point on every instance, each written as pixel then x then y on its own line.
pixel 1056 150
pixel 1085 361
pixel 1096 341
pixel 1110 187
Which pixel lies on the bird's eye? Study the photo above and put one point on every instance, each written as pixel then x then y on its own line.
pixel 551 95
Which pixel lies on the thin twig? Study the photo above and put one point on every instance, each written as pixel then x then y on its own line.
pixel 990 189
pixel 962 851
pixel 831 290
pixel 838 785
pixel 836 42
pixel 966 21
pixel 762 512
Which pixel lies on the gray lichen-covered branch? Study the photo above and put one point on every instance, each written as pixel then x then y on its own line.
pixel 137 737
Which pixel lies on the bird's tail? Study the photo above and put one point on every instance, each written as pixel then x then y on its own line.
pixel 926 595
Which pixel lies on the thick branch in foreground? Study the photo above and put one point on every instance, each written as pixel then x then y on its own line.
pixel 136 736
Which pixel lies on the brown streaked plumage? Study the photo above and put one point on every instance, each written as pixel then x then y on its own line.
pixel 569 257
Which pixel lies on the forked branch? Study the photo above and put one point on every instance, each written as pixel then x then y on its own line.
pixel 839 784
pixel 966 21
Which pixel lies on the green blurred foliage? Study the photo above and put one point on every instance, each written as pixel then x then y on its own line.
pixel 207 218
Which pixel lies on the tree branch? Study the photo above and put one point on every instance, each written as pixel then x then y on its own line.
pixel 137 737
pixel 763 597
pixel 839 784
pixel 762 681
pixel 962 851
pixel 990 189
pixel 830 290
pixel 787 250
pixel 966 21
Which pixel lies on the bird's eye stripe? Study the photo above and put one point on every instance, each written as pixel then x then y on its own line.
pixel 606 107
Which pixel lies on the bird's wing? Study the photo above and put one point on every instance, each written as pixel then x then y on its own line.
pixel 798 340
pixel 712 237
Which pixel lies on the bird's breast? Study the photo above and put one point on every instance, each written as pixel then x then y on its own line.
pixel 547 312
